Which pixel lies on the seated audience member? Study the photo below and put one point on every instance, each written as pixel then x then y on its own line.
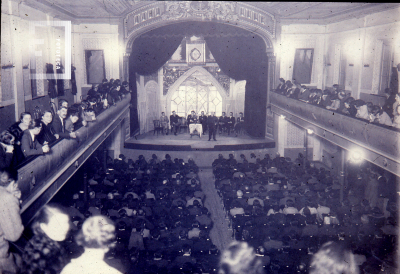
pixel 97 237
pixel 396 103
pixel 10 221
pixel 222 122
pixel 230 122
pixel 333 258
pixel 58 124
pixel 289 89
pixel 349 107
pixel 239 123
pixel 396 118
pixel 362 109
pixel 379 116
pixel 30 144
pixel 17 129
pixel 44 252
pixel 289 208
pixel 63 104
pixel 315 97
pixel 240 258
pixel 71 120
pixel 326 99
pixel 174 122
pixel 322 209
pixel 338 101
pixel 164 122
pixel 6 149
pixel 294 93
pixel 390 100
pixel 47 134
pixel 304 94
pixel 193 122
pixel 89 114
pixel 93 91
pixel 125 88
pixel 203 121
pixel 280 86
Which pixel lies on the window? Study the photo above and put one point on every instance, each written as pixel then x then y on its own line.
pixel 198 98
pixel 303 61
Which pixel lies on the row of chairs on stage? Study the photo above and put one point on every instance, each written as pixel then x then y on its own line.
pixel 183 124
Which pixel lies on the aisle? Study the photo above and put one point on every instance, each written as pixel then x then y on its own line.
pixel 221 234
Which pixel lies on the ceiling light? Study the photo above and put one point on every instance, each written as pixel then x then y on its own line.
pixel 310 131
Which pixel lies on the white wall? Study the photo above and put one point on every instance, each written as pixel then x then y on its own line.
pixel 357 40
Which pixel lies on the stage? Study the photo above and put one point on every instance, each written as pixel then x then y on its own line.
pixel 183 142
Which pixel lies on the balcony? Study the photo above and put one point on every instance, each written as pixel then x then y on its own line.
pixel 41 178
pixel 379 143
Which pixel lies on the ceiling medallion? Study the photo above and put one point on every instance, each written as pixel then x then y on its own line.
pixel 195 54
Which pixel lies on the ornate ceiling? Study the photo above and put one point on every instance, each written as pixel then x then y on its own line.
pixel 80 11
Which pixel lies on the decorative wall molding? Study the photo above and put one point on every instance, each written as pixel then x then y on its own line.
pixel 163 13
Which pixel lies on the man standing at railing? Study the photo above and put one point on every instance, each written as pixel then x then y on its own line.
pixel 10 222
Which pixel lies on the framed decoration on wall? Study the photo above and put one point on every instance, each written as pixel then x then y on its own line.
pixel 95 66
pixel 302 68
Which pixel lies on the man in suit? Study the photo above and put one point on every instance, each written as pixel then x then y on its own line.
pixel 230 122
pixel 174 121
pixel 58 124
pixel 212 122
pixel 193 122
pixel 222 121
pixel 203 121
pixel 239 123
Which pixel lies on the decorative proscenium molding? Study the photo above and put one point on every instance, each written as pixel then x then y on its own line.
pixel 239 14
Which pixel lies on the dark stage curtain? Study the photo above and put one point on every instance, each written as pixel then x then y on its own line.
pixel 149 53
pixel 240 54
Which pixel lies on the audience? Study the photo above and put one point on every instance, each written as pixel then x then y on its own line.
pixel 17 129
pixel 44 252
pixel 338 100
pixel 47 134
pixel 10 222
pixel 6 149
pixel 30 144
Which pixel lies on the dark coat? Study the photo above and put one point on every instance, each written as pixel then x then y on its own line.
pixel 174 119
pixel 46 134
pixel 58 127
pixel 30 147
pixel 5 158
pixel 212 121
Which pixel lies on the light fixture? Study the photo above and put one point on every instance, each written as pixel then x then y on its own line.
pixel 356 156
pixel 282 117
pixel 310 131
pixel 173 69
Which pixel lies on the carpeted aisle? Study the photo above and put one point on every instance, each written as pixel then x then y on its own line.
pixel 221 234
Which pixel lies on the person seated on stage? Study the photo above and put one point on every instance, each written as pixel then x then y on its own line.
pixel 239 123
pixel 174 122
pixel 230 122
pixel 212 123
pixel 203 121
pixel 222 121
pixel 193 122
pixel 164 122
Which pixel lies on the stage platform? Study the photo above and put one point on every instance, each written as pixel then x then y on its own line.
pixel 183 142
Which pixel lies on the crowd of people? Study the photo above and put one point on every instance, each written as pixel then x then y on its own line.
pixel 28 137
pixel 200 124
pixel 143 216
pixel 286 210
pixel 339 101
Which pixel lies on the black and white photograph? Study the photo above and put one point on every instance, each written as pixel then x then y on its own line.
pixel 218 137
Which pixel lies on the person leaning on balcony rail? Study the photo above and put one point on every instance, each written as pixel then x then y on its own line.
pixel 396 118
pixel 30 144
pixel 379 116
pixel 17 129
pixel 58 124
pixel 10 222
pixel 47 134
pixel 6 149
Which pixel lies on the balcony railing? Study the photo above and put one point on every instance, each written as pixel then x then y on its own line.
pixel 42 177
pixel 345 131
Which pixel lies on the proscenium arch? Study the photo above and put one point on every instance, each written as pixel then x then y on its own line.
pixel 184 76
pixel 268 40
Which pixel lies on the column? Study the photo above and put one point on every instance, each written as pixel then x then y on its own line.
pixel 317 155
pixel 282 134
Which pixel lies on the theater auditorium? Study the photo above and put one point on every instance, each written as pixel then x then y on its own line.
pixel 199 137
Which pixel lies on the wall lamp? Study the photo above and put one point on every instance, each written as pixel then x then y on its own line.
pixel 310 131
pixel 356 156
pixel 282 117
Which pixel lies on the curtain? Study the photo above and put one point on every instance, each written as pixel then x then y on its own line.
pixel 240 54
pixel 60 83
pixel 52 82
pixel 149 53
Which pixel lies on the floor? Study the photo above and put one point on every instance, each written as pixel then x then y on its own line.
pixel 221 233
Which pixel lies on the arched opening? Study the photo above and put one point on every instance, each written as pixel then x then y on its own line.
pixel 241 54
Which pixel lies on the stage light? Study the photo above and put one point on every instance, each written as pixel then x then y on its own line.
pixel 310 131
pixel 282 117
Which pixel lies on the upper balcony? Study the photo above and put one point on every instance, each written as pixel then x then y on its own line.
pixel 379 144
pixel 40 178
